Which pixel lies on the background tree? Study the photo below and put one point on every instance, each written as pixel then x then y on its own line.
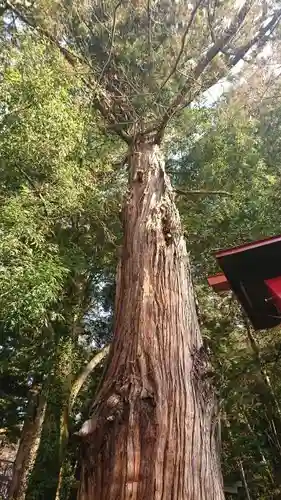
pixel 58 247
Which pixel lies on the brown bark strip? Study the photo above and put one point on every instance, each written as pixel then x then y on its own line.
pixel 151 434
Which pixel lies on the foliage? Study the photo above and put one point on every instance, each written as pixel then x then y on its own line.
pixel 145 61
pixel 228 155
pixel 59 230
pixel 230 150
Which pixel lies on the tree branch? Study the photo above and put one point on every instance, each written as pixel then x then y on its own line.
pixel 210 19
pixel 262 35
pixel 174 68
pixel 71 58
pixel 201 192
pixel 101 100
pixel 149 30
pixel 202 64
pixel 112 39
pixel 87 370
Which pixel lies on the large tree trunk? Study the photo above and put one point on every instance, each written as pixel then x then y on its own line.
pixel 152 432
pixel 28 447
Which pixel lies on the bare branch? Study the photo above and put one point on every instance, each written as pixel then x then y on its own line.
pixel 202 192
pixel 98 21
pixel 174 68
pixel 210 22
pixel 202 64
pixel 149 30
pixel 210 19
pixel 261 36
pixel 112 39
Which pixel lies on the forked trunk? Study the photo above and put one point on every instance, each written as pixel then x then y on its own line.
pixel 28 447
pixel 152 431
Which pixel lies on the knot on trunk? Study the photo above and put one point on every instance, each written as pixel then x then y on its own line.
pixel 103 411
pixel 170 224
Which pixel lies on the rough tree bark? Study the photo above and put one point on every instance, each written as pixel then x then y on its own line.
pixel 152 431
pixel 28 447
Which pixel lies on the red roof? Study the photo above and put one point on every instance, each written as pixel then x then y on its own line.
pixel 246 271
pixel 248 246
pixel 219 282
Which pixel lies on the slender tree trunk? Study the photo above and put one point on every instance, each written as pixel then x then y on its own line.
pixel 244 479
pixel 75 389
pixel 260 364
pixel 84 374
pixel 152 431
pixel 28 447
pixel 253 433
pixel 272 408
pixel 43 486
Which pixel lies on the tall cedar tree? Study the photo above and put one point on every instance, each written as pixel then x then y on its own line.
pixel 152 429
